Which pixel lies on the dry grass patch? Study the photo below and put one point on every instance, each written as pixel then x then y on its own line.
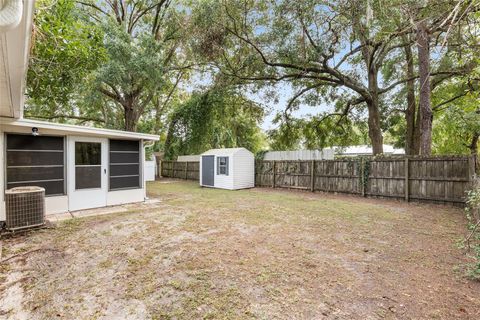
pixel 258 253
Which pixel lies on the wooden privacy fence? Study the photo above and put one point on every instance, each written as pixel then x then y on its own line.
pixel 434 179
pixel 180 169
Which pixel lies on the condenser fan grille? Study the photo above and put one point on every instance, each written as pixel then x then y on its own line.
pixel 25 207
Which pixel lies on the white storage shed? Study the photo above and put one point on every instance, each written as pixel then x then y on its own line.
pixel 230 168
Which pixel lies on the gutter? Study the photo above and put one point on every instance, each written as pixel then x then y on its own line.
pixel 10 15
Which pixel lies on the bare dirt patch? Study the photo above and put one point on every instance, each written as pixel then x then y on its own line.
pixel 204 253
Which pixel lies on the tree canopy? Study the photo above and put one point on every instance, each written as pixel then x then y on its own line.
pixel 217 118
pixel 402 72
pixel 65 51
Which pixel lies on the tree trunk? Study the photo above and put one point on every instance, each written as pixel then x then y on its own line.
pixel 374 129
pixel 130 118
pixel 412 130
pixel 372 98
pixel 416 131
pixel 425 109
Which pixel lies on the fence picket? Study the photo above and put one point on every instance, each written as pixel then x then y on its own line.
pixel 432 179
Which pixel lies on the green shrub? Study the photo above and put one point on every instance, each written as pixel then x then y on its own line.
pixel 472 241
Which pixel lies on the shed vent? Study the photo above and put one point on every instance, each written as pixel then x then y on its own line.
pixel 25 207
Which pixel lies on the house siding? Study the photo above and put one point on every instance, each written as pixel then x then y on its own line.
pixel 2 176
pixel 59 204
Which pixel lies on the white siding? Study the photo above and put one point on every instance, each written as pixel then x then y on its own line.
pixel 2 176
pixel 125 196
pixel 150 167
pixel 56 204
pixel 223 181
pixel 220 181
pixel 243 170
pixel 200 171
pixel 365 150
pixel 324 154
pixel 192 158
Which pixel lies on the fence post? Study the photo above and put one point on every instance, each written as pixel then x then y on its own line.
pixel 186 170
pixel 312 176
pixel 407 175
pixel 362 175
pixel 273 171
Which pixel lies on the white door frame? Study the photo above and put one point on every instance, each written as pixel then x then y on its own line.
pixel 87 198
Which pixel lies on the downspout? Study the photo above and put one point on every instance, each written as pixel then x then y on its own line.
pixel 145 144
pixel 10 14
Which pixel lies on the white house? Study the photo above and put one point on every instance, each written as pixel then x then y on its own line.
pixel 365 150
pixel 230 168
pixel 323 154
pixel 189 158
pixel 79 167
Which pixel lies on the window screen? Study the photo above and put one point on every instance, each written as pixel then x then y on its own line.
pixel 36 161
pixel 222 166
pixel 88 165
pixel 124 164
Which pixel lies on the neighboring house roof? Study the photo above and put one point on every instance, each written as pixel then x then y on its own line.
pixel 365 150
pixel 14 50
pixel 46 127
pixel 323 154
pixel 223 152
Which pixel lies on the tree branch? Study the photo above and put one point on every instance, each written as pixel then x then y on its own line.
pixel 91 5
pixel 299 94
pixel 66 116
pixel 437 107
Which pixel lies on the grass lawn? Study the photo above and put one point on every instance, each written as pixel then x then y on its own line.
pixel 260 253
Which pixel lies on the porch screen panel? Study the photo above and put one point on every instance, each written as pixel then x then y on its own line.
pixel 36 161
pixel 88 165
pixel 124 164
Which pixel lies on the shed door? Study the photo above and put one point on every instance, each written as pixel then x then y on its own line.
pixel 208 170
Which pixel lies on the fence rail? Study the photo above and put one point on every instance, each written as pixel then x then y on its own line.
pixel 432 179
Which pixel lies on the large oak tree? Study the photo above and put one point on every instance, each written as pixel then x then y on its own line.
pixel 147 54
pixel 329 51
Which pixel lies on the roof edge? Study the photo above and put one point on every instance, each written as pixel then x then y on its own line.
pixel 77 129
pixel 225 150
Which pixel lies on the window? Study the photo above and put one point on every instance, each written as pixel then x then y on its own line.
pixel 222 166
pixel 36 161
pixel 124 164
pixel 88 165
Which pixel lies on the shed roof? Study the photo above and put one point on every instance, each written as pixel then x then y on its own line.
pixel 223 152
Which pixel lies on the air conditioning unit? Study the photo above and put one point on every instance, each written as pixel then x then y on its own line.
pixel 25 207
